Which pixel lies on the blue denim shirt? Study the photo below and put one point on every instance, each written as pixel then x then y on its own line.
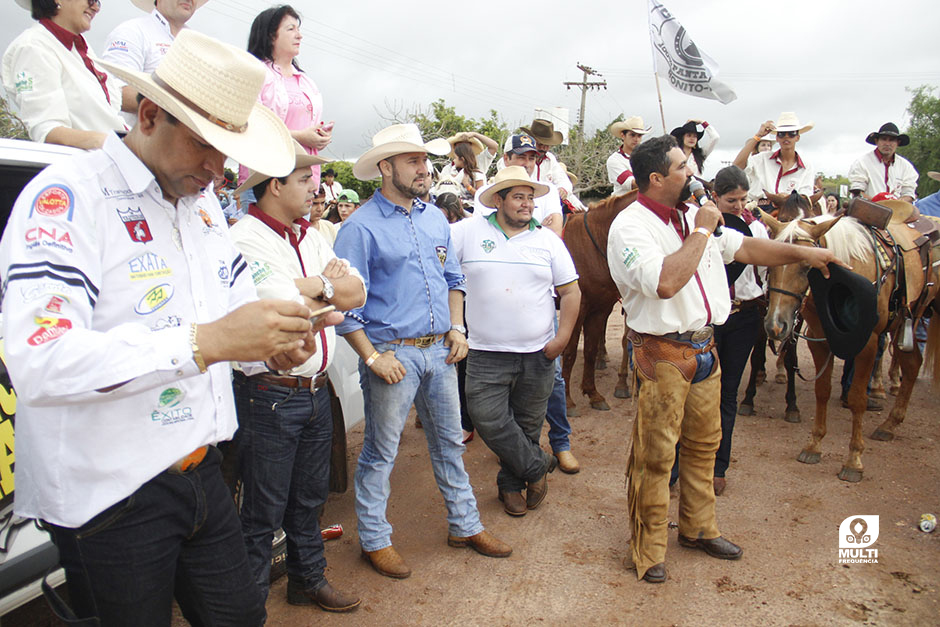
pixel 404 258
pixel 929 205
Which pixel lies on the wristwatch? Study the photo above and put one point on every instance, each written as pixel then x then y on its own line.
pixel 458 327
pixel 328 290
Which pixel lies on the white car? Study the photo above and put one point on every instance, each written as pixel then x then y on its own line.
pixel 26 552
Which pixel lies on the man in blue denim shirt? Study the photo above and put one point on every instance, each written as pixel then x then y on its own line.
pixel 409 335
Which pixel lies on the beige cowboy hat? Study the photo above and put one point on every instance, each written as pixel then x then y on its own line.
pixel 148 5
pixel 475 143
pixel 301 160
pixel 397 139
pixel 212 88
pixel 571 175
pixel 934 175
pixel 789 122
pixel 543 131
pixel 510 176
pixel 634 123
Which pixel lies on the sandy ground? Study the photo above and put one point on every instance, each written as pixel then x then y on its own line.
pixel 566 567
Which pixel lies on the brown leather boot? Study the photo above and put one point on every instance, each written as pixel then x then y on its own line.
pixel 483 543
pixel 568 463
pixel 326 596
pixel 388 562
pixel 513 503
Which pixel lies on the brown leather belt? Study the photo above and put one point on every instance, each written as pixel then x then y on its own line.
pixel 700 335
pixel 744 305
pixel 421 342
pixel 310 383
pixel 189 462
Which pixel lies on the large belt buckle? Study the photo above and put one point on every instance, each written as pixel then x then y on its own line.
pixel 424 341
pixel 702 335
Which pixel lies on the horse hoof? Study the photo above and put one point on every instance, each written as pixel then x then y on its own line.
pixel 850 474
pixel 601 406
pixel 792 415
pixel 882 436
pixel 808 458
pixel 600 364
pixel 894 389
pixel 622 392
pixel 780 378
pixel 745 410
pixel 878 393
pixel 572 412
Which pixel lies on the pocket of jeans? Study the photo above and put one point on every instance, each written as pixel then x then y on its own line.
pixel 105 519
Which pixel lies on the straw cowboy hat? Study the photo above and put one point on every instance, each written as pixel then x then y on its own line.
pixel 212 88
pixel 789 122
pixel 544 132
pixel 889 129
pixel 475 143
pixel 934 175
pixel 397 139
pixel 301 160
pixel 510 176
pixel 571 175
pixel 634 123
pixel 148 5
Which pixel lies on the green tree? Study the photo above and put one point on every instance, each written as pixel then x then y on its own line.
pixel 588 161
pixel 924 131
pixel 11 127
pixel 344 175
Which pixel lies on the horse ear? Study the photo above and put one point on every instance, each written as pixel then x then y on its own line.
pixel 816 231
pixel 815 197
pixel 772 224
pixel 776 200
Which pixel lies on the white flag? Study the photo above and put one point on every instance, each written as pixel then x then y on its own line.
pixel 679 61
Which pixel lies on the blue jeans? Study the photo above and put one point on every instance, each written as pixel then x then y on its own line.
pixel 557 415
pixel 284 438
pixel 507 394
pixel 431 385
pixel 178 537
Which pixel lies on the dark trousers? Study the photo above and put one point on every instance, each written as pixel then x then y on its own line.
pixel 734 339
pixel 284 442
pixel 178 537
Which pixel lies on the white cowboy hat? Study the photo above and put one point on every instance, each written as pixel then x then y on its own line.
pixel 26 4
pixel 634 123
pixel 149 5
pixel 510 176
pixel 397 139
pixel 769 137
pixel 301 160
pixel 475 143
pixel 789 122
pixel 212 88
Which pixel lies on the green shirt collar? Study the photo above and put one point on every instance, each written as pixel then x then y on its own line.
pixel 533 223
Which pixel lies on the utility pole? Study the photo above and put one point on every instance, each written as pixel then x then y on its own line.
pixel 585 85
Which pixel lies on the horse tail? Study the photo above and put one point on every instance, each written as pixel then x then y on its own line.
pixel 932 352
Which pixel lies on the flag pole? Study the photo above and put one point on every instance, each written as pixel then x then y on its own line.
pixel 659 94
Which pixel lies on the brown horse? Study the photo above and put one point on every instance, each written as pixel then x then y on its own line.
pixel 852 243
pixel 585 235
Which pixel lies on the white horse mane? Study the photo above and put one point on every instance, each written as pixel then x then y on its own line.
pixel 847 240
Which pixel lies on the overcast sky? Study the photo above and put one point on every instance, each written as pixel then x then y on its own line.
pixel 843 65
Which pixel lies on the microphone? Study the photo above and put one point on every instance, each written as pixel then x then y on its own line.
pixel 698 190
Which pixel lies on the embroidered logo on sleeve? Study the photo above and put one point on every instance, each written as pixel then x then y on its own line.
pixel 53 201
pixel 260 271
pixel 630 255
pixel 50 329
pixel 23 83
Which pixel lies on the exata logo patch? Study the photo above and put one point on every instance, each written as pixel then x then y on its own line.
pixel 50 329
pixel 54 200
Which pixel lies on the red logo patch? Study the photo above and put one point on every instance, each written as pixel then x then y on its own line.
pixel 55 304
pixel 53 201
pixel 50 329
pixel 136 224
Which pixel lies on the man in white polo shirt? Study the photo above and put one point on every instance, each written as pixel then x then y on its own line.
pixel 630 132
pixel 669 270
pixel 513 266
pixel 285 421
pixel 882 170
pixel 141 43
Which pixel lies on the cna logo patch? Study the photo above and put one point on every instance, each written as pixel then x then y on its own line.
pixel 488 246
pixel 54 200
pixel 856 535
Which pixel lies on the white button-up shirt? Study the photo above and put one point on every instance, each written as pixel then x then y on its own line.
pixel 51 87
pixel 870 175
pixel 139 44
pixel 274 262
pixel 639 242
pixel 764 171
pixel 619 172
pixel 103 278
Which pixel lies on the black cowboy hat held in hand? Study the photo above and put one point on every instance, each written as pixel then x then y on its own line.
pixel 847 305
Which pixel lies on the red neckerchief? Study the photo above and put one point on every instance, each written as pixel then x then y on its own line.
pixel 69 39
pixel 888 164
pixel 780 173
pixel 625 155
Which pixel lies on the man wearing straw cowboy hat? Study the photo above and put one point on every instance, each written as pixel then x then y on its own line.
pixel 285 420
pixel 125 302
pixel 141 43
pixel 409 335
pixel 882 170
pixel 513 267
pixel 780 171
pixel 630 133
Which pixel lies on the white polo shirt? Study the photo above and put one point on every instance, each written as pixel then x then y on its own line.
pixel 510 284
pixel 277 255
pixel 619 172
pixel 765 172
pixel 639 241
pixel 139 44
pixel 870 175
pixel 103 279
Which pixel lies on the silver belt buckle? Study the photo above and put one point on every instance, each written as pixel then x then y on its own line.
pixel 702 335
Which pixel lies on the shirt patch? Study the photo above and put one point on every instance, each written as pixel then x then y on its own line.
pixel 224 273
pixel 148 266
pixel 50 329
pixel 54 200
pixel 60 239
pixel 172 416
pixel 167 323
pixel 154 299
pixel 171 397
pixel 630 255
pixel 23 83
pixel 441 253
pixel 118 45
pixel 136 225
pixel 260 271
pixel 55 304
pixel 44 290
pixel 488 245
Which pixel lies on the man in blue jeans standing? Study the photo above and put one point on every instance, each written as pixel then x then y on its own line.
pixel 409 335
pixel 513 266
pixel 285 423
